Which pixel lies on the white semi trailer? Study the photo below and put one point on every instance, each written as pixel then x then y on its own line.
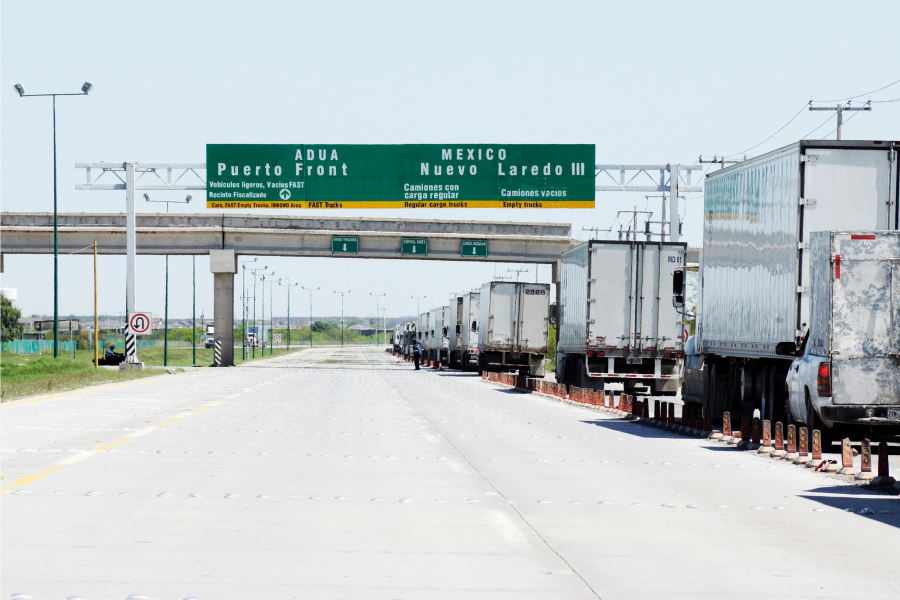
pixel 621 315
pixel 512 327
pixel 455 325
pixel 471 310
pixel 755 279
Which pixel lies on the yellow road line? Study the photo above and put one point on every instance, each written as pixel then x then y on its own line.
pixel 104 447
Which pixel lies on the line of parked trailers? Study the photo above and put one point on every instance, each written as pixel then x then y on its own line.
pixel 502 327
pixel 798 312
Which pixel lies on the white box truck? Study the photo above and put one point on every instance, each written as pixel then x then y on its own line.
pixel 423 332
pixel 847 372
pixel 755 279
pixel 512 327
pixel 622 315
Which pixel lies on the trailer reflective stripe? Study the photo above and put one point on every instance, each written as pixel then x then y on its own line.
pixel 837 266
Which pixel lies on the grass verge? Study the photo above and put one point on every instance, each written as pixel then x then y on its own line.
pixel 22 376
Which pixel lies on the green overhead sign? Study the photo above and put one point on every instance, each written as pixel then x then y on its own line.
pixel 345 244
pixel 474 248
pixel 414 246
pixel 280 176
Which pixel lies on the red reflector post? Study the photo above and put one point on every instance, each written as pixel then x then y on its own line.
pixel 823 379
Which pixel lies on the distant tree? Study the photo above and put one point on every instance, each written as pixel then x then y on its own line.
pixel 324 327
pixel 12 329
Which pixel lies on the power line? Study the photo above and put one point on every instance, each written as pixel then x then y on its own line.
pixel 806 137
pixel 861 95
pixel 770 137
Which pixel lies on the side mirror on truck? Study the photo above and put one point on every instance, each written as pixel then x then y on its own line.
pixel 678 288
pixel 554 313
pixel 786 349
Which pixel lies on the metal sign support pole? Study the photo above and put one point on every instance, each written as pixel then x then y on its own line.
pixel 674 233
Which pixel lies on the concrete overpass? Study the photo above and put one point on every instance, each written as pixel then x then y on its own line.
pixel 225 236
pixel 281 235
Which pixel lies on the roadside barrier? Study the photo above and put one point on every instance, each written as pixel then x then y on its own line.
pixel 767 433
pixel 756 431
pixel 792 439
pixel 846 454
pixel 804 443
pixel 745 429
pixel 779 436
pixel 726 424
pixel 817 445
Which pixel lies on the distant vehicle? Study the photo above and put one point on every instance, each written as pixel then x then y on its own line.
pixel 514 320
pixel 622 315
pixel 210 336
pixel 396 338
pixel 469 335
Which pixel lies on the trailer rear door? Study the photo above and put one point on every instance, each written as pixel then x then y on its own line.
pixel 865 343
pixel 534 318
pixel 501 315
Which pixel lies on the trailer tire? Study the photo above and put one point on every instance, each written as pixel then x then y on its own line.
pixel 715 390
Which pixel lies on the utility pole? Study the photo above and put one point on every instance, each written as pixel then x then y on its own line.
pixel 716 160
pixel 634 213
pixel 194 313
pixel 418 308
pixel 342 313
pixel 20 89
pixel 377 297
pixel 289 285
pixel 840 108
pixel 516 271
pixel 311 290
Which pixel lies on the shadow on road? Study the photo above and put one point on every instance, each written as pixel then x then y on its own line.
pixel 636 429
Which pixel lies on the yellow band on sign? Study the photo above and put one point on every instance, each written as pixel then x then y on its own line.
pixel 405 204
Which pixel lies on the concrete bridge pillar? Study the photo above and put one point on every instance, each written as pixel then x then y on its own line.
pixel 223 264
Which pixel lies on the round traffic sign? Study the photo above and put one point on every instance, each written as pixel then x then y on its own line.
pixel 140 323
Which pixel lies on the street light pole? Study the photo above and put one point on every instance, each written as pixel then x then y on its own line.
pixel 377 311
pixel 255 332
pixel 342 313
pixel 417 298
pixel 244 303
pixel 263 309
pixel 289 285
pixel 20 89
pixel 311 290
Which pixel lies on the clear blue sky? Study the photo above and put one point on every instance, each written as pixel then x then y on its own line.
pixel 647 82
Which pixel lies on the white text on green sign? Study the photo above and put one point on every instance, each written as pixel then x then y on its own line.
pixel 414 246
pixel 473 248
pixel 344 244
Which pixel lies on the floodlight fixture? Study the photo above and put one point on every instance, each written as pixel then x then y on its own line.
pixel 86 88
pixel 189 198
pixel 147 197
pixel 20 88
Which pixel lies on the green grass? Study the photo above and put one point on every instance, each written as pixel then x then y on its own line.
pixel 22 376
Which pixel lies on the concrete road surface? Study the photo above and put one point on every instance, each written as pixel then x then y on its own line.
pixel 342 473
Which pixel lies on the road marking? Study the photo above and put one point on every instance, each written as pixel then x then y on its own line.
pixel 503 525
pixel 68 462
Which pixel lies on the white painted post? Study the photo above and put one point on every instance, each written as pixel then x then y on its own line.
pixel 131 252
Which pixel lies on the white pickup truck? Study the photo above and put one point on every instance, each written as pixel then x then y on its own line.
pixel 847 370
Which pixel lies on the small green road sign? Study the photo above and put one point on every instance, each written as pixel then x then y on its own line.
pixel 414 246
pixel 345 244
pixel 473 248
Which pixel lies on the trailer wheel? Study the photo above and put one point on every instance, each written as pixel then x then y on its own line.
pixel 715 391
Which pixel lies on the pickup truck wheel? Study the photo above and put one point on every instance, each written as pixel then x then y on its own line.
pixel 814 422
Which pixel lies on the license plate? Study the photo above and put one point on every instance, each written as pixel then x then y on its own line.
pixel 633 360
pixel 893 414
